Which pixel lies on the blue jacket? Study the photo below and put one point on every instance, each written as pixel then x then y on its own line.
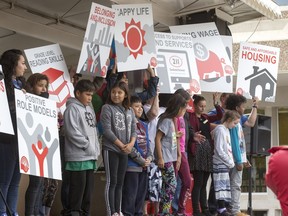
pixel 137 158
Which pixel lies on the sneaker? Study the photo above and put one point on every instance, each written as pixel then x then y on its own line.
pixel 121 214
pixel 241 214
pixel 115 214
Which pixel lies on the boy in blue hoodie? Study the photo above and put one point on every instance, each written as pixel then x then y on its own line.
pixel 237 102
pixel 136 177
pixel 81 148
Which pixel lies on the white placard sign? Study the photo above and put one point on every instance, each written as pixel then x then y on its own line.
pixel 257 71
pixel 94 57
pixel 176 66
pixel 220 84
pixel 38 139
pixel 134 37
pixel 50 61
pixel 5 118
pixel 211 57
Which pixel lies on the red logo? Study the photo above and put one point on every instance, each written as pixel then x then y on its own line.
pixel 134 38
pixel 239 91
pixel 24 164
pixel 194 86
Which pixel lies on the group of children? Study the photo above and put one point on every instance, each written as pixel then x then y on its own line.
pixel 143 152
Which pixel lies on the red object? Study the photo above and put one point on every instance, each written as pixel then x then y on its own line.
pixel 24 164
pixel 210 67
pixel 58 88
pixel 277 175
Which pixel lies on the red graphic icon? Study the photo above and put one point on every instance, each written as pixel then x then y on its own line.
pixel 24 164
pixel 239 91
pixel 40 156
pixel 134 38
pixel 194 86
pixel 210 68
pixel 58 88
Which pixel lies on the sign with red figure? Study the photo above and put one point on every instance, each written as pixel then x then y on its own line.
pixel 38 139
pixel 94 57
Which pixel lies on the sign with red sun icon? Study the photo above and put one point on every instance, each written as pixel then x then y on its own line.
pixel 134 37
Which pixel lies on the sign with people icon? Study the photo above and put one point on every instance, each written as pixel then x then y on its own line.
pixel 38 139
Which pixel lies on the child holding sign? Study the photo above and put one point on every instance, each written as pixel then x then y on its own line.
pixel 36 84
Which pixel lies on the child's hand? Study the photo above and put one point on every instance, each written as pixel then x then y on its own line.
pixel 239 167
pixel 127 148
pixel 160 163
pixel 179 134
pixel 198 137
pixel 147 163
pixel 247 164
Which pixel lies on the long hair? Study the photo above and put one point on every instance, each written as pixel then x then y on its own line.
pixel 9 61
pixel 183 93
pixel 124 87
pixel 176 102
pixel 33 80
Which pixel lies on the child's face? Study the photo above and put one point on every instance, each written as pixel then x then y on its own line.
pixel 40 87
pixel 138 110
pixel 240 109
pixel 84 97
pixel 117 95
pixel 233 123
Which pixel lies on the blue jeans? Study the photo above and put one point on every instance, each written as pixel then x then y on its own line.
pixel 175 201
pixel 9 176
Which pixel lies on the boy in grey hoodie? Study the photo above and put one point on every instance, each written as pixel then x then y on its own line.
pixel 81 148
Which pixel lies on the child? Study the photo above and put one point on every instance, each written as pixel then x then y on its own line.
pixel 136 178
pixel 119 135
pixel 166 148
pixel 36 84
pixel 81 147
pixel 237 103
pixel 223 159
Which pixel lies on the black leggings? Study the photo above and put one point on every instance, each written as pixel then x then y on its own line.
pixel 115 168
pixel 199 194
